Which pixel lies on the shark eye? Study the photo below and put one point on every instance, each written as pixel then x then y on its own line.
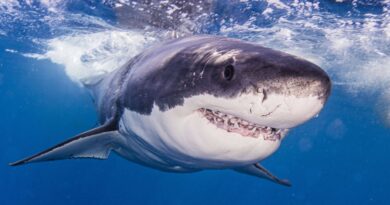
pixel 228 73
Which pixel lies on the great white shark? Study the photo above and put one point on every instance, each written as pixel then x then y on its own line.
pixel 199 102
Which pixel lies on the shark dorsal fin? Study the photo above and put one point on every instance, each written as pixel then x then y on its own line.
pixel 95 143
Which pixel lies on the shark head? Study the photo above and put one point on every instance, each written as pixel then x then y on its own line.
pixel 215 102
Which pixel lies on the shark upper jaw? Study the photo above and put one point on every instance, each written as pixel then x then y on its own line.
pixel 249 116
pixel 275 114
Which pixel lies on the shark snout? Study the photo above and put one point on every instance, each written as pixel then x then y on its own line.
pixel 296 93
pixel 300 78
pixel 325 86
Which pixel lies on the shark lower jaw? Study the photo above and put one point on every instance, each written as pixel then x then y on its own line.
pixel 233 124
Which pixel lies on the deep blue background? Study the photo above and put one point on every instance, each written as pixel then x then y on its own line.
pixel 341 157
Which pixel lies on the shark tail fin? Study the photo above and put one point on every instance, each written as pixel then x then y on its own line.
pixel 95 143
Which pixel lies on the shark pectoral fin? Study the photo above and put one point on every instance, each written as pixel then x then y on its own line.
pixel 96 143
pixel 259 171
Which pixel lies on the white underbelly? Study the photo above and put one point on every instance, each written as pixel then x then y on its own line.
pixel 135 149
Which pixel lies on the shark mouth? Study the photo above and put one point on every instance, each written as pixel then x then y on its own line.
pixel 237 125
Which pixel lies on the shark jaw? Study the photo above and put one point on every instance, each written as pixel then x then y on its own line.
pixel 212 132
pixel 231 123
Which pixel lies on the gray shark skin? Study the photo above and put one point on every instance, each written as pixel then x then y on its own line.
pixel 199 102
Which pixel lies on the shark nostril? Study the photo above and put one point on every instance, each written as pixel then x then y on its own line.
pixel 264 96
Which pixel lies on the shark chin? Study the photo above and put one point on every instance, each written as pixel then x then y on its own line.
pixel 199 102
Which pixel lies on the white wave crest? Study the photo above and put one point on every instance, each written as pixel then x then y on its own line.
pixel 89 55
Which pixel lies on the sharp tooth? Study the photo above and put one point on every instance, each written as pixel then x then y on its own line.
pixel 233 120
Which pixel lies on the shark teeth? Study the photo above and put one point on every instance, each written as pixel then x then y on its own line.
pixel 235 124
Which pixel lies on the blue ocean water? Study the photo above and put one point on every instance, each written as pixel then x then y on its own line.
pixel 48 47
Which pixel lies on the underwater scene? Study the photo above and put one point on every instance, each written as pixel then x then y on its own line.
pixel 195 101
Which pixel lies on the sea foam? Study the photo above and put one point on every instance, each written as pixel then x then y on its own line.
pixel 88 55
